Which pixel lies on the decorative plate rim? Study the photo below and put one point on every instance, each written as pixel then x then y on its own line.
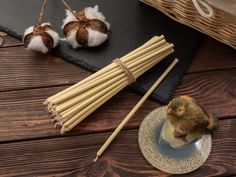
pixel 147 144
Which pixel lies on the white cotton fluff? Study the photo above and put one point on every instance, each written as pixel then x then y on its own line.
pixel 69 18
pixel 93 13
pixel 28 30
pixel 36 42
pixel 55 37
pixel 95 38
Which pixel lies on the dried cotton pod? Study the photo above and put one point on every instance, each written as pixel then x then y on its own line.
pixel 85 28
pixel 41 38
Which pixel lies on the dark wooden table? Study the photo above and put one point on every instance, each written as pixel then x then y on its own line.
pixel 30 146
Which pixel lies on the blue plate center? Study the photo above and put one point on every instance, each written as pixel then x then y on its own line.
pixel 167 150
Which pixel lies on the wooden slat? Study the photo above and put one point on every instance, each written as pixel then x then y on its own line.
pixel 27 69
pixel 215 90
pixel 23 116
pixel 213 55
pixel 74 155
pixel 21 69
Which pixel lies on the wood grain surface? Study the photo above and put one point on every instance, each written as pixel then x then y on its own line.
pixel 213 56
pixel 74 155
pixel 27 69
pixel 215 90
pixel 30 146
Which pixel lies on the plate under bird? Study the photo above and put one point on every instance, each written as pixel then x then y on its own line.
pixel 188 117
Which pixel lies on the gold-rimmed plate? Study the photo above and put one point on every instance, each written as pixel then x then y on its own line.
pixel 161 155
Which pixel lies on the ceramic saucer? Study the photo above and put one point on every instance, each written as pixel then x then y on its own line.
pixel 164 157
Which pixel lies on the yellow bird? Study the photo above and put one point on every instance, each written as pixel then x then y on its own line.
pixel 188 117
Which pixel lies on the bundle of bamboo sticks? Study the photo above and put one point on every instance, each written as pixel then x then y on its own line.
pixel 72 105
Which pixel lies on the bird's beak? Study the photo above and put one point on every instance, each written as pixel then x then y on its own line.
pixel 170 111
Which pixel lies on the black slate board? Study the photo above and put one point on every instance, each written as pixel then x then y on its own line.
pixel 132 24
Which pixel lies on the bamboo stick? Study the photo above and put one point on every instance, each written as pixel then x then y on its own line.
pixel 91 108
pixel 98 89
pixel 148 43
pixel 71 94
pixel 123 81
pixel 90 92
pixel 102 71
pixel 133 111
pixel 59 99
pixel 91 99
pixel 78 118
pixel 78 108
pixel 72 105
pixel 114 75
pixel 145 51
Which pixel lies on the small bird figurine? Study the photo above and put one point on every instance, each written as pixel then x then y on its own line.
pixel 188 117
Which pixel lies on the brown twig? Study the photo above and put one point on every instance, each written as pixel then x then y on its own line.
pixel 68 7
pixel 1 41
pixel 2 45
pixel 42 11
pixel 12 45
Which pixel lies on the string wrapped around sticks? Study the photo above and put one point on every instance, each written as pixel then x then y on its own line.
pixel 72 105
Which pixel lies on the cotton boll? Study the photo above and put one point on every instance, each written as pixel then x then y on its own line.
pixel 41 38
pixel 85 28
pixel 35 42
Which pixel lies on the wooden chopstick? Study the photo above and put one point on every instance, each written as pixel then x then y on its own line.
pixel 133 111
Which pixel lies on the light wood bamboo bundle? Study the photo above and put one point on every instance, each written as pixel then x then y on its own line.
pixel 72 105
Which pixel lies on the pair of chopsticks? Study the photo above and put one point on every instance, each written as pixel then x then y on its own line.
pixel 133 111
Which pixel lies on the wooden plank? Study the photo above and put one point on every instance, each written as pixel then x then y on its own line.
pixel 23 116
pixel 21 69
pixel 213 55
pixel 27 69
pixel 73 156
pixel 215 90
